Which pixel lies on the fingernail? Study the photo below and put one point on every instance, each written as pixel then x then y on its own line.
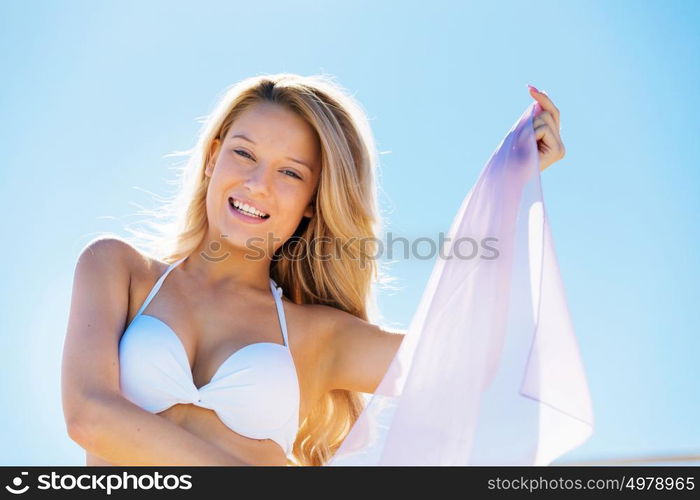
pixel 533 88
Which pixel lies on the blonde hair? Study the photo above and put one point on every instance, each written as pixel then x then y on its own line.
pixel 345 224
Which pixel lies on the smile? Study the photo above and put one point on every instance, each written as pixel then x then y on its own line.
pixel 247 210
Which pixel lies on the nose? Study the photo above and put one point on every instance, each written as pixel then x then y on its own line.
pixel 258 181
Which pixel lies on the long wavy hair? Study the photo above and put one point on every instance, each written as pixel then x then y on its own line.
pixel 345 224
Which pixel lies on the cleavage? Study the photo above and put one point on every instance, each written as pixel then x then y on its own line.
pixel 209 356
pixel 201 343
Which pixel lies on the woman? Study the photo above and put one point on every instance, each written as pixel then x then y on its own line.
pixel 255 349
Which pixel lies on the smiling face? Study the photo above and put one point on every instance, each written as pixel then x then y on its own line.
pixel 270 162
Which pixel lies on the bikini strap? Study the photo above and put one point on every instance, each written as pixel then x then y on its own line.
pixel 277 293
pixel 157 286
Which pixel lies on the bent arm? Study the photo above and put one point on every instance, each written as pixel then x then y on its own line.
pixel 97 416
pixel 490 347
pixel 122 433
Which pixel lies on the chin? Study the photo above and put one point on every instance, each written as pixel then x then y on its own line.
pixel 250 241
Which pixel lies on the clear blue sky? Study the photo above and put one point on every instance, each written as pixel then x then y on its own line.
pixel 94 94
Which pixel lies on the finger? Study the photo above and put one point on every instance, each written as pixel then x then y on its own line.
pixel 546 103
pixel 544 151
pixel 545 117
pixel 548 142
pixel 546 108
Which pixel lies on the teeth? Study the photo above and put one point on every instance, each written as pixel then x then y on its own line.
pixel 247 208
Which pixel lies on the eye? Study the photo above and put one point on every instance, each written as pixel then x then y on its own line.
pixel 239 151
pixel 245 153
pixel 294 174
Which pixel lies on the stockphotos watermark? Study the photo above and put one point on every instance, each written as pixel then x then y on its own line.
pixel 390 247
pixel 101 482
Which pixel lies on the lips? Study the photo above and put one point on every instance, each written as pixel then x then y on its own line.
pixel 231 203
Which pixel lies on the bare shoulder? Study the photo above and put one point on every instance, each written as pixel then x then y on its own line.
pixel 319 327
pixel 327 318
pixel 325 321
pixel 352 353
pixel 309 322
pixel 317 318
pixel 310 335
pixel 105 251
pixel 112 254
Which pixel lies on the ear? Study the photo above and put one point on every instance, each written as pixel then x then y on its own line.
pixel 209 169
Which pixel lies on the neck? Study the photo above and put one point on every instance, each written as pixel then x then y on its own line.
pixel 217 263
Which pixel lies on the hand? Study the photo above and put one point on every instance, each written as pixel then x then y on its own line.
pixel 547 125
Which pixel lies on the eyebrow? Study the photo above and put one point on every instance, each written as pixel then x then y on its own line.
pixel 241 136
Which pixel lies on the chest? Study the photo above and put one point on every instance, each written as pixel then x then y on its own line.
pixel 214 333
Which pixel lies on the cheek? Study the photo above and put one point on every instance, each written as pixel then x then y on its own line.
pixel 224 178
pixel 227 171
pixel 292 202
pixel 296 199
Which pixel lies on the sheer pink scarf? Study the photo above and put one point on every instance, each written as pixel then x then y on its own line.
pixel 489 372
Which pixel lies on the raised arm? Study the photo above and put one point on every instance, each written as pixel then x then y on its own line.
pixel 489 372
pixel 97 416
pixel 360 352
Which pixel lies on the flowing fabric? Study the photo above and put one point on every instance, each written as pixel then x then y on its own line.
pixel 489 372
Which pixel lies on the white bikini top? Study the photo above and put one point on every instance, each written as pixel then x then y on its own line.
pixel 255 391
